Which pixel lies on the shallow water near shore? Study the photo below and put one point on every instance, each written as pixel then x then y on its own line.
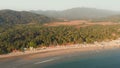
pixel 71 58
pixel 95 59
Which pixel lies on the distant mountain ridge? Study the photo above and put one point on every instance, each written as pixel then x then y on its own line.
pixel 21 17
pixel 77 13
pixel 26 17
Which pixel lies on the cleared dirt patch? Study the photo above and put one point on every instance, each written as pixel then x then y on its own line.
pixel 79 23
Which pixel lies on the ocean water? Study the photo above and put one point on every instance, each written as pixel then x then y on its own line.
pixel 95 59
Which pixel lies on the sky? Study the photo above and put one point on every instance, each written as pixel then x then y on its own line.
pixel 58 4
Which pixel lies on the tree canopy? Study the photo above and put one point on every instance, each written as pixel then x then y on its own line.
pixel 24 36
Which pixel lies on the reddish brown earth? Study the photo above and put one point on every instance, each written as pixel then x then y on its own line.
pixel 79 23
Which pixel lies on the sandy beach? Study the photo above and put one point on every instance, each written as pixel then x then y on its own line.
pixel 61 50
pixel 42 57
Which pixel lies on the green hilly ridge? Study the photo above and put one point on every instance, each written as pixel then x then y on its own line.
pixel 22 17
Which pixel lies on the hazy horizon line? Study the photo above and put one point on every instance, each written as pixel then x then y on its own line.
pixel 59 9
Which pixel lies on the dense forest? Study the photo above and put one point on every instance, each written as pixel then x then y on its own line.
pixel 16 34
pixel 24 36
pixel 22 17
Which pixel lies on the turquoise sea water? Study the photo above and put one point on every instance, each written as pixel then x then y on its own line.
pixel 95 59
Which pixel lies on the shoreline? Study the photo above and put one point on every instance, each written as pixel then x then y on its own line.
pixel 85 47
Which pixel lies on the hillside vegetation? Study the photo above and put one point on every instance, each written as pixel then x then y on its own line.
pixel 22 17
pixel 17 32
pixel 17 38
